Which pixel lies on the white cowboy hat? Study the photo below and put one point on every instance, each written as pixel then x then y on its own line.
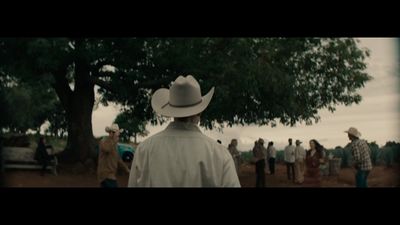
pixel 113 128
pixel 353 131
pixel 183 99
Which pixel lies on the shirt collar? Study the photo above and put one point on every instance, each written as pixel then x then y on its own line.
pixel 177 125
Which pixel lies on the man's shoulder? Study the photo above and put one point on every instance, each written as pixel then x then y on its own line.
pixel 151 139
pixel 358 143
pixel 163 134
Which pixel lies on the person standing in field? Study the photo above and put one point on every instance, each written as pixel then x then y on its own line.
pixel 289 158
pixel 361 157
pixel 181 155
pixel 271 157
pixel 259 158
pixel 300 156
pixel 235 154
pixel 314 158
pixel 109 159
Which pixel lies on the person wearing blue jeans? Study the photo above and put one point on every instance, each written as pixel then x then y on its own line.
pixel 361 156
pixel 109 183
pixel 361 178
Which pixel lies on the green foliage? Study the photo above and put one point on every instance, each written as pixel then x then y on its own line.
pixel 246 156
pixel 131 126
pixel 280 156
pixel 27 106
pixel 58 121
pixel 258 80
pixel 386 155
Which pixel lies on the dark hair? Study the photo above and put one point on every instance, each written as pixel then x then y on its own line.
pixel 271 143
pixel 318 146
pixel 219 141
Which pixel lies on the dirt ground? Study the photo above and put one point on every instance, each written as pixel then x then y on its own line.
pixel 379 177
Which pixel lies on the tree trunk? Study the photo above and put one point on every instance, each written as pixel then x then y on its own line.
pixel 135 138
pixel 78 105
pixel 81 143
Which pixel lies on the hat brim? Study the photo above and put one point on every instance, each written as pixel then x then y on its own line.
pixel 108 130
pixel 159 103
pixel 355 135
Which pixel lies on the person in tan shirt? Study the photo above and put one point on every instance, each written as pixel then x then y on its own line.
pixel 109 159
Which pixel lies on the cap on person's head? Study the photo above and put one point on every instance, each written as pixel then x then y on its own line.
pixel 298 142
pixel 261 141
pixel 183 99
pixel 113 128
pixel 354 132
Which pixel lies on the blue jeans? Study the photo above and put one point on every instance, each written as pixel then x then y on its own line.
pixel 361 178
pixel 108 183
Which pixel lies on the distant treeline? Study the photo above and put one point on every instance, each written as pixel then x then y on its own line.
pixel 386 155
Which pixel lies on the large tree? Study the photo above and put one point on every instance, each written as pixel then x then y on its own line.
pixel 258 80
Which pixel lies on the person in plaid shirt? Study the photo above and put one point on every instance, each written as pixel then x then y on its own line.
pixel 361 156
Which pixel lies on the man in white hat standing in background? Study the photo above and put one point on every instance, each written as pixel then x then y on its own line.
pixel 361 156
pixel 181 155
pixel 109 159
pixel 300 156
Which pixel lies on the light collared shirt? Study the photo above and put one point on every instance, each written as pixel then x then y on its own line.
pixel 182 156
pixel 299 153
pixel 289 154
pixel 271 152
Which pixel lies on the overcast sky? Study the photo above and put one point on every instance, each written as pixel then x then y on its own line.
pixel 376 117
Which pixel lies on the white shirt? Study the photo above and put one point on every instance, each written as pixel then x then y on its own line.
pixel 181 156
pixel 289 154
pixel 272 152
pixel 299 153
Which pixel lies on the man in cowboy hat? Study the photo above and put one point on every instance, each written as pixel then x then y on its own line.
pixel 300 156
pixel 181 155
pixel 109 159
pixel 361 156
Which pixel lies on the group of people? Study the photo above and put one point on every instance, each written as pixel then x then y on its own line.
pixel 300 162
pixel 179 156
pixel 306 166
pixel 182 156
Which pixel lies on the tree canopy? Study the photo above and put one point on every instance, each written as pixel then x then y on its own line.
pixel 258 80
